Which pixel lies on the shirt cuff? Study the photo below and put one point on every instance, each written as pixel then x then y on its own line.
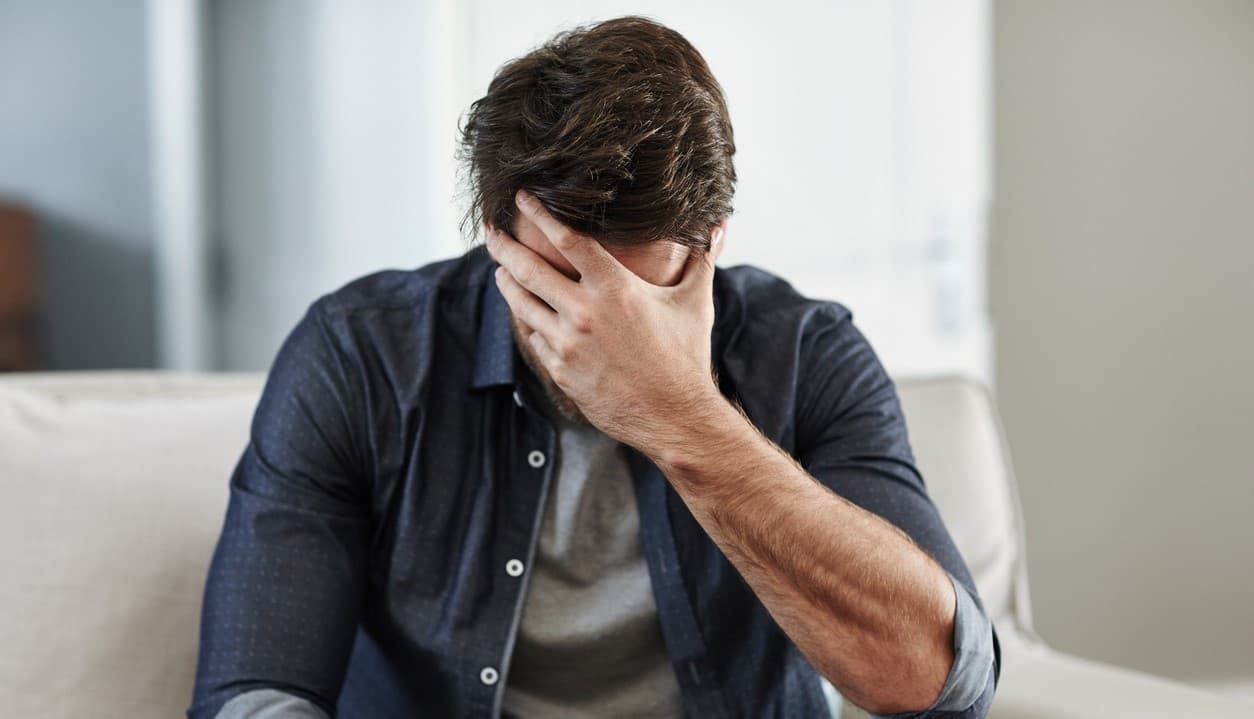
pixel 269 704
pixel 973 654
pixel 974 663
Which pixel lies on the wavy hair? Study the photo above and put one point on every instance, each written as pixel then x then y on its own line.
pixel 619 128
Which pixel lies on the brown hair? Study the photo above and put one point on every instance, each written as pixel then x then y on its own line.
pixel 619 128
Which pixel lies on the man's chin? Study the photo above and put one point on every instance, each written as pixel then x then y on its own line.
pixel 564 404
pixel 568 409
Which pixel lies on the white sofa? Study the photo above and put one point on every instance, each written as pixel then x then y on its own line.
pixel 112 492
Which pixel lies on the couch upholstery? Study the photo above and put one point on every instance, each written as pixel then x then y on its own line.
pixel 114 487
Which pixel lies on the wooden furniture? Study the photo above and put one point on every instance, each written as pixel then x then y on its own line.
pixel 18 290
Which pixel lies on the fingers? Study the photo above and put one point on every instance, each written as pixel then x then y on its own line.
pixel 526 306
pixel 548 357
pixel 586 254
pixel 531 270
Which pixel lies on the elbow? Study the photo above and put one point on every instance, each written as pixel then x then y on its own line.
pixel 948 669
pixel 896 684
pixel 906 693
pixel 930 683
pixel 953 678
pixel 914 680
pixel 893 710
pixel 940 707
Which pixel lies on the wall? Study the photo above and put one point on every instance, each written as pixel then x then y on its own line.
pixel 322 119
pixel 1123 244
pixel 862 150
pixel 73 147
pixel 328 133
pixel 861 127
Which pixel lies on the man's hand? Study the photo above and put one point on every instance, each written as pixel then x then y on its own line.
pixel 634 356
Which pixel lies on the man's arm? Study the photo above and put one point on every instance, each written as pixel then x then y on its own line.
pixel 873 612
pixel 870 610
pixel 285 588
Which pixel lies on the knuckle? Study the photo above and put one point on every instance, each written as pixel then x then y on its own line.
pixel 527 274
pixel 582 320
pixel 565 350
pixel 532 316
pixel 558 375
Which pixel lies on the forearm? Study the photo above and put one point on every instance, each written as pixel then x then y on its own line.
pixel 869 609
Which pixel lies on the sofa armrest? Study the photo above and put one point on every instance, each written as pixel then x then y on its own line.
pixel 1038 682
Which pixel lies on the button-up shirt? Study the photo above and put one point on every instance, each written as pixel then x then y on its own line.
pixel 372 560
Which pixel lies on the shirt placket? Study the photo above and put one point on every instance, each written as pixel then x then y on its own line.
pixel 680 630
pixel 534 448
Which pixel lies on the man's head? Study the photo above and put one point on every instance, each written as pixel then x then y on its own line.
pixel 618 128
pixel 623 134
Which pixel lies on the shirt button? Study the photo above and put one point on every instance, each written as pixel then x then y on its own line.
pixel 488 676
pixel 535 458
pixel 514 568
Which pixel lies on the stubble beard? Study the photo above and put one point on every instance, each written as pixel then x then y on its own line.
pixel 560 401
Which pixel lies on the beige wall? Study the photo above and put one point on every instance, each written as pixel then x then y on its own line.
pixel 1122 293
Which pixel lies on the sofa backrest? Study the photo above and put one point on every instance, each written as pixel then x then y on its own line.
pixel 114 487
pixel 961 451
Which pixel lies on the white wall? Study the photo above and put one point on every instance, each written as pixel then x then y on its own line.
pixel 861 126
pixel 323 121
pixel 862 149
pixel 1122 260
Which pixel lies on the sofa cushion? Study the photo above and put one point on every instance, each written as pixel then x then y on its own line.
pixel 114 492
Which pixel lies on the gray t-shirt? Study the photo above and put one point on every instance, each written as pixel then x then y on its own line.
pixel 589 643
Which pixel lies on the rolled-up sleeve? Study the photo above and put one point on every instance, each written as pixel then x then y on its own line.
pixel 969 687
pixel 851 436
pixel 270 704
pixel 972 670
pixel 284 592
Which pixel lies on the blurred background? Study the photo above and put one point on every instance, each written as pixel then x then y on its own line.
pixel 1055 197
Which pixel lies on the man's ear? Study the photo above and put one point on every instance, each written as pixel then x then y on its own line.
pixel 718 239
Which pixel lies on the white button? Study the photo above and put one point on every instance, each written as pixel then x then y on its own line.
pixel 488 676
pixel 535 458
pixel 514 568
pixel 517 398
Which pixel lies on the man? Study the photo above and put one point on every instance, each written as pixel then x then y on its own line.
pixel 580 471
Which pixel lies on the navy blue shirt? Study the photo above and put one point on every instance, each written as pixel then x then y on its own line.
pixel 395 469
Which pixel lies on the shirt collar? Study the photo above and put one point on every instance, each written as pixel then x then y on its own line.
pixel 494 356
